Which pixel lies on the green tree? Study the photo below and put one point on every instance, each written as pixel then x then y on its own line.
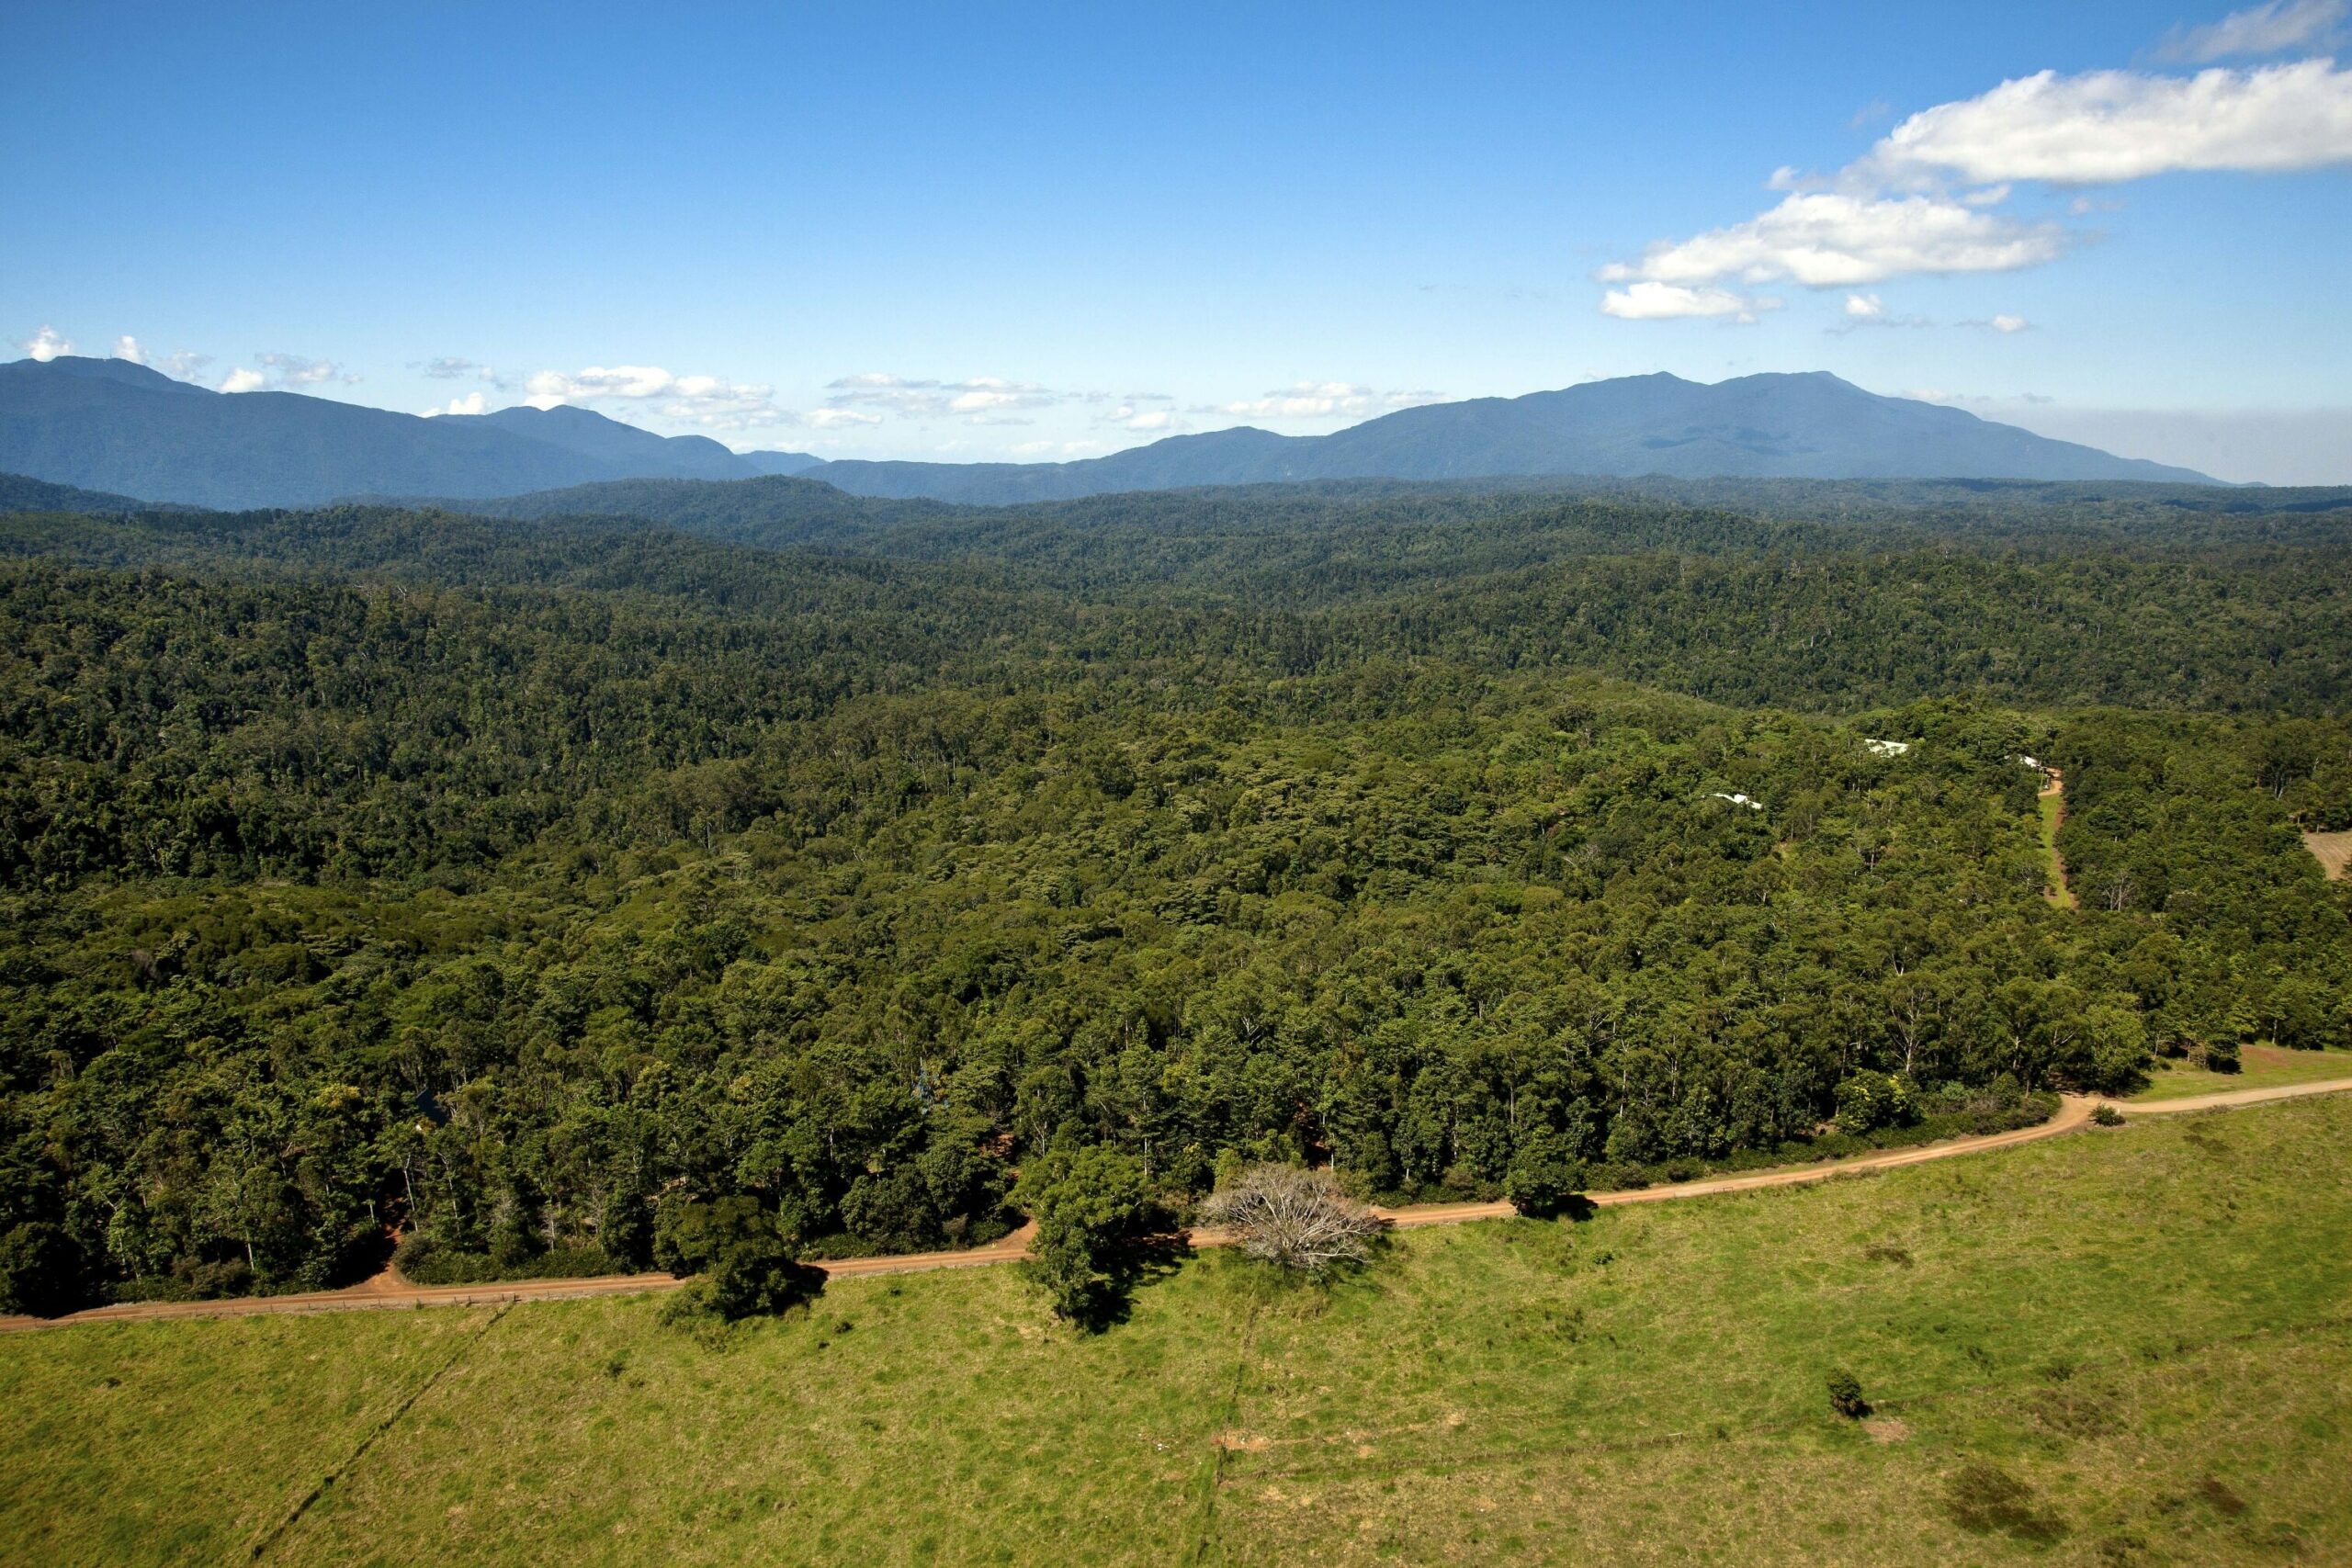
pixel 734 1243
pixel 1091 1205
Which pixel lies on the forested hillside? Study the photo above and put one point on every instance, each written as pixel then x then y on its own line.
pixel 511 881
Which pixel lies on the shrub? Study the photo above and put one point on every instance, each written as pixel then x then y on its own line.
pixel 1543 1176
pixel 625 1230
pixel 40 1270
pixel 1296 1219
pixel 1846 1394
pixel 1621 1176
pixel 1867 1102
pixel 892 1210
pixel 734 1243
pixel 2106 1115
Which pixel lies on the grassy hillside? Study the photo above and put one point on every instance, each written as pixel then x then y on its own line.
pixel 2118 1347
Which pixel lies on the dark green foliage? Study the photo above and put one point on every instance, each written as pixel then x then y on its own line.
pixel 734 1243
pixel 2106 1115
pixel 370 868
pixel 1543 1176
pixel 40 1270
pixel 2190 825
pixel 1089 1205
pixel 1846 1394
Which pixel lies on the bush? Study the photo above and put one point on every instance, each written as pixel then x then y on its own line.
pixel 1846 1394
pixel 1621 1176
pixel 1543 1176
pixel 2106 1115
pixel 1294 1218
pixel 40 1270
pixel 1867 1102
pixel 735 1244
pixel 892 1210
pixel 422 1260
pixel 625 1230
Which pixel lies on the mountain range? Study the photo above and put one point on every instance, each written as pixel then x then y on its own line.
pixel 110 425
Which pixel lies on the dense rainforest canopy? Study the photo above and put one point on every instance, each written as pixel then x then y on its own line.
pixel 509 879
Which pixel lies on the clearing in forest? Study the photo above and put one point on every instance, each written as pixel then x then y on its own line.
pixel 2335 853
pixel 2259 1066
pixel 2054 817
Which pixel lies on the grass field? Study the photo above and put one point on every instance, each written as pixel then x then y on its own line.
pixel 2053 809
pixel 2125 1346
pixel 2260 1066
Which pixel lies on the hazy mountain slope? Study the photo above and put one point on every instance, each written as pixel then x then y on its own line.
pixel 624 448
pixel 782 462
pixel 1810 426
pixel 110 425
pixel 771 511
pixel 18 493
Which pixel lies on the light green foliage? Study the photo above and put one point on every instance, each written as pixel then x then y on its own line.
pixel 1867 1102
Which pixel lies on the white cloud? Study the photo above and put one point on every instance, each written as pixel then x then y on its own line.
pixel 46 344
pixel 1650 300
pixel 1870 310
pixel 451 369
pixel 835 419
pixel 1316 399
pixel 294 370
pixel 472 403
pixel 2009 324
pixel 278 372
pixel 2104 125
pixel 2271 29
pixel 1148 420
pixel 1830 239
pixel 1896 212
pixel 710 402
pixel 187 366
pixel 984 399
pixel 127 348
pixel 989 395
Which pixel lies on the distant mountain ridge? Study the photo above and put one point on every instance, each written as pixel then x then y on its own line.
pixel 110 425
pixel 1809 425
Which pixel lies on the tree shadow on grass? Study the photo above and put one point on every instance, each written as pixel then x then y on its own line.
pixel 1145 1261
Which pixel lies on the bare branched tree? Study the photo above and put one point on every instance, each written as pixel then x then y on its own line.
pixel 1297 1218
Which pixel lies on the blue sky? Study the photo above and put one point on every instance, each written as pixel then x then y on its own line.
pixel 1039 231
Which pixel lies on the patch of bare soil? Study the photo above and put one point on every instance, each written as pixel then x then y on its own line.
pixel 2333 850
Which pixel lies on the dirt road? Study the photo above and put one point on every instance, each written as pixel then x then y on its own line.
pixel 2074 1113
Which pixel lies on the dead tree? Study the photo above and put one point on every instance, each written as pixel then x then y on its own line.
pixel 1297 1218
